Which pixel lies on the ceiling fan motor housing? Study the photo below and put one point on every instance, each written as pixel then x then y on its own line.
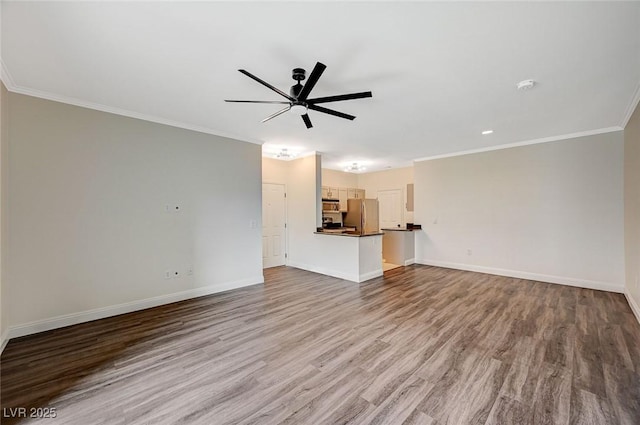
pixel 299 74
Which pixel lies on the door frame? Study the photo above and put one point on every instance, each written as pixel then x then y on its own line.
pixel 286 219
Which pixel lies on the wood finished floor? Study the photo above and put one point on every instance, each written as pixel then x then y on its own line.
pixel 422 345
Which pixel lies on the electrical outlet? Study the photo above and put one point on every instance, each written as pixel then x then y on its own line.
pixel 170 274
pixel 190 271
pixel 253 224
pixel 172 208
pixel 469 252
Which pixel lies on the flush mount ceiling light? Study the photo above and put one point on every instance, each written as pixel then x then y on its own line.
pixel 354 168
pixel 285 154
pixel 526 84
pixel 484 133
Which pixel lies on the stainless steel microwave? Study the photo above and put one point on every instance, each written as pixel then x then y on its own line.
pixel 330 206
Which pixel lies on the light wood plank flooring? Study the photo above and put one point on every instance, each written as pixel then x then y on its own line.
pixel 421 345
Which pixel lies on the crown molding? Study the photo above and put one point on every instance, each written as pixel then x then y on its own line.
pixel 14 88
pixel 523 143
pixel 5 75
pixel 635 99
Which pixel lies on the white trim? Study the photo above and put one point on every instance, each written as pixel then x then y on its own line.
pixel 632 303
pixel 12 87
pixel 101 313
pixel 569 281
pixel 352 277
pixel 298 156
pixel 409 262
pixel 371 275
pixel 323 270
pixel 635 99
pixel 4 339
pixel 5 75
pixel 304 155
pixel 523 143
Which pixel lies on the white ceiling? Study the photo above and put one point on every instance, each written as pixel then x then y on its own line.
pixel 440 73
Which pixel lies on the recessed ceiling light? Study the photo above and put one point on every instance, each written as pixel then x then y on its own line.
pixel 526 84
pixel 487 132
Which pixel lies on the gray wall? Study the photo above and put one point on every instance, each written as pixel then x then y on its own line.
pixel 632 208
pixel 551 212
pixel 89 234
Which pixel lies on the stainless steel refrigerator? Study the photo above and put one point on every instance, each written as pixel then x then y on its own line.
pixel 363 215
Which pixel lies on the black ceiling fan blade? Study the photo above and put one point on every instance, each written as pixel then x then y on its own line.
pixel 307 120
pixel 256 101
pixel 275 114
pixel 332 112
pixel 264 83
pixel 340 97
pixel 311 82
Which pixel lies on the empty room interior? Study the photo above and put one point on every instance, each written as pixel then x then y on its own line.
pixel 320 212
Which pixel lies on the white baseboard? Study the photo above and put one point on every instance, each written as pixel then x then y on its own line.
pixel 353 277
pixel 101 313
pixel 632 303
pixel 367 276
pixel 409 262
pixel 4 339
pixel 569 281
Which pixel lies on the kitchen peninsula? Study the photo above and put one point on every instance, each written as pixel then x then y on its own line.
pixel 354 249
pixel 351 256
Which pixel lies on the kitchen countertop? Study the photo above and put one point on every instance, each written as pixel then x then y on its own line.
pixel 352 235
pixel 399 229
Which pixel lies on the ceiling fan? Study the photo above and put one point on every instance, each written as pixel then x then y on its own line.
pixel 298 98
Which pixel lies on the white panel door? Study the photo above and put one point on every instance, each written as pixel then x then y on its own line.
pixel 390 208
pixel 273 225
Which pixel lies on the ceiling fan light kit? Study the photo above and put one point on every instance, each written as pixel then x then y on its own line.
pixel 299 109
pixel 298 101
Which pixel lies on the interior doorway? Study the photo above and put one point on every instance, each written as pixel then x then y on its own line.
pixel 274 240
pixel 390 208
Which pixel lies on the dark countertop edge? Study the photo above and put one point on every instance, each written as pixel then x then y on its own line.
pixel 349 234
pixel 399 230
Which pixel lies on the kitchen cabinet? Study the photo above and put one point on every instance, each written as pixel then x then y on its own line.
pixel 343 195
pixel 329 192
pixel 355 193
